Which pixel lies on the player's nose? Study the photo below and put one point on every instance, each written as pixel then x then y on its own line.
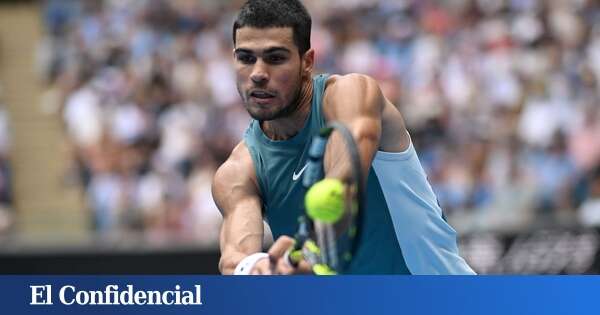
pixel 260 74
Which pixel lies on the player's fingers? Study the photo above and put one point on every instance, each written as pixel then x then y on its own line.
pixel 303 268
pixel 262 267
pixel 283 267
pixel 279 248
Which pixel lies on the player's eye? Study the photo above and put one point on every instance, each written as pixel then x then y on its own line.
pixel 246 58
pixel 275 59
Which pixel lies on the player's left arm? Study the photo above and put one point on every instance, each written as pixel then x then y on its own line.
pixel 356 101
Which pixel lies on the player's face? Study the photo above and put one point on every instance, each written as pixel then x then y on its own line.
pixel 269 71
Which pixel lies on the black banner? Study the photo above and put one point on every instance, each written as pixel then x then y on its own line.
pixel 557 251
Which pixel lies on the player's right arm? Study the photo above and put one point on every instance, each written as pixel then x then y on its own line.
pixel 236 194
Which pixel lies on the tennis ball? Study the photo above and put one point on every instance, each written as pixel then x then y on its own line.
pixel 324 201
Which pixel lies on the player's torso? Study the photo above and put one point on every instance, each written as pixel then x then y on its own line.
pixel 283 193
pixel 279 168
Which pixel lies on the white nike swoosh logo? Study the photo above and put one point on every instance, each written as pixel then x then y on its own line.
pixel 296 176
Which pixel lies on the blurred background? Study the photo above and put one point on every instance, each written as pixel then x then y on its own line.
pixel 115 114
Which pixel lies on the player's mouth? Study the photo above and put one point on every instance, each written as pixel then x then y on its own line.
pixel 261 96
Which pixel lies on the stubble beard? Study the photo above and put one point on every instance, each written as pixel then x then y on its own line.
pixel 285 111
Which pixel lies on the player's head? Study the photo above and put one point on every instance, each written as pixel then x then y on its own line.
pixel 272 55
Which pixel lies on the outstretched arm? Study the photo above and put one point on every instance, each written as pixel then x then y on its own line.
pixel 237 196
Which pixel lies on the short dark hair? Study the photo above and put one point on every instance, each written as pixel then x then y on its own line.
pixel 277 13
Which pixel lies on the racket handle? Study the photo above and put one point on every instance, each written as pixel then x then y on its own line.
pixel 309 251
pixel 293 257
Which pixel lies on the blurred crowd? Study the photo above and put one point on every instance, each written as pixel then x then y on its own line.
pixel 501 97
pixel 6 212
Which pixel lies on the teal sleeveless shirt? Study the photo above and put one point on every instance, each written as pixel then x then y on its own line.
pixel 278 165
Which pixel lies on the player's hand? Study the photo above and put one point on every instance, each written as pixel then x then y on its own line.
pixel 280 262
pixel 276 262
pixel 262 267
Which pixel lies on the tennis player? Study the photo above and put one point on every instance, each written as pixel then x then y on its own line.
pixel 404 231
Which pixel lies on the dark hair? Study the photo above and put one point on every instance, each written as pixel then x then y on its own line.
pixel 277 13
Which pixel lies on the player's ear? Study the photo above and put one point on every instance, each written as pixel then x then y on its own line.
pixel 308 62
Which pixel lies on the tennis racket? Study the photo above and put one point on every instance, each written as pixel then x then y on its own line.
pixel 327 242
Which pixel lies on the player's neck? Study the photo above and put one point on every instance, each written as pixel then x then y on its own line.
pixel 290 125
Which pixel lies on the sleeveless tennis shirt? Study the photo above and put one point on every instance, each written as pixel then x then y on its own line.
pixel 403 228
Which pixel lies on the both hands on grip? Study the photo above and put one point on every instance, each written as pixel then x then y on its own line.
pixel 324 204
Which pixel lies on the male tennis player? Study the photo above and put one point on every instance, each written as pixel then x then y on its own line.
pixel 404 231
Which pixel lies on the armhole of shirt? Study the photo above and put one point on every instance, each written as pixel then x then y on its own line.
pixel 397 156
pixel 318 93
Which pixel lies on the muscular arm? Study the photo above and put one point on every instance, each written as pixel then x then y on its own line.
pixel 356 101
pixel 236 194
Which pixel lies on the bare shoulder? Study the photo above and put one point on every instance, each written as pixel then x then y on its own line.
pixel 235 178
pixel 348 77
pixel 353 93
pixel 358 95
pixel 350 82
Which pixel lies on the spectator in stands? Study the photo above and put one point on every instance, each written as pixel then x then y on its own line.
pixel 6 213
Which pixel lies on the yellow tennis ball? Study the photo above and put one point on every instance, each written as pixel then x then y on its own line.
pixel 324 201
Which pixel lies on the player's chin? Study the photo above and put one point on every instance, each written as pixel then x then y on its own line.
pixel 261 113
